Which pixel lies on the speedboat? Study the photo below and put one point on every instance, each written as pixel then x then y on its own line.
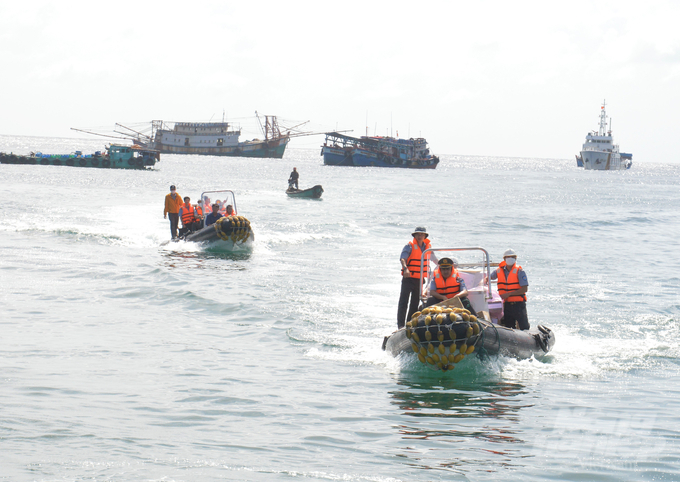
pixel 445 334
pixel 230 232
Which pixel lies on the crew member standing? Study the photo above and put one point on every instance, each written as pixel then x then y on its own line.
pixel 512 286
pixel 173 202
pixel 410 271
pixel 293 179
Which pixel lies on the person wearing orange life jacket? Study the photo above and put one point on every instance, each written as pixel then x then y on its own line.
pixel 410 271
pixel 512 286
pixel 198 215
pixel 446 284
pixel 207 205
pixel 190 216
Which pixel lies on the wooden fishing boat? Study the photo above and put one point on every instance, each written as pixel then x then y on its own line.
pixel 377 151
pixel 116 156
pixel 214 138
pixel 445 334
pixel 313 192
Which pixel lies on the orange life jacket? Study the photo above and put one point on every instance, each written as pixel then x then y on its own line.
pixel 448 287
pixel 413 261
pixel 190 215
pixel 511 283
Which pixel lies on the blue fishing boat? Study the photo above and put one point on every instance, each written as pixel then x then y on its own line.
pixel 342 150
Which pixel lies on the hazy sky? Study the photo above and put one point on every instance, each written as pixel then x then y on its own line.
pixel 499 78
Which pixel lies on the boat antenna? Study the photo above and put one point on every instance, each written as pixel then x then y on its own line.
pixel 603 120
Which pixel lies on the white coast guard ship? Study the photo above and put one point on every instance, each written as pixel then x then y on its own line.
pixel 599 151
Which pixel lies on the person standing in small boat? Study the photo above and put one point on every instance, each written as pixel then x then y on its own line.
pixel 512 286
pixel 293 179
pixel 446 284
pixel 410 272
pixel 173 203
pixel 190 216
pixel 212 218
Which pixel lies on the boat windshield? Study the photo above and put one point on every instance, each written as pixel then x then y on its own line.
pixel 474 266
pixel 223 199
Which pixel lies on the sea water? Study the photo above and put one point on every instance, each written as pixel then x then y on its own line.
pixel 123 358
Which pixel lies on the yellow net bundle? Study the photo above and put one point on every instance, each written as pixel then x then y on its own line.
pixel 443 336
pixel 234 228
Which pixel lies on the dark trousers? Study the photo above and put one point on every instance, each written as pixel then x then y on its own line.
pixel 515 314
pixel 190 228
pixel 464 301
pixel 410 287
pixel 174 222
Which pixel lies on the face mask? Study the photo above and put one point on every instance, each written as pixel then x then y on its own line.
pixel 510 261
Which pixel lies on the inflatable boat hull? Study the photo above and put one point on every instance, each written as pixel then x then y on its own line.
pixel 231 232
pixel 503 341
pixel 447 338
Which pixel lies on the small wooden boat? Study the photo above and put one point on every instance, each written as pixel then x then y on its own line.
pixel 313 192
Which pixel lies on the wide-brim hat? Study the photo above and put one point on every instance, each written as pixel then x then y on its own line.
pixel 420 230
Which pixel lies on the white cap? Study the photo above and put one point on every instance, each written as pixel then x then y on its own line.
pixel 509 252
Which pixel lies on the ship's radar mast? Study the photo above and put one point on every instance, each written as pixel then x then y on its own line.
pixel 603 120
